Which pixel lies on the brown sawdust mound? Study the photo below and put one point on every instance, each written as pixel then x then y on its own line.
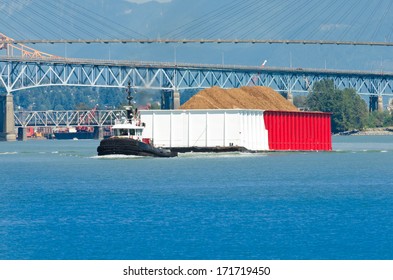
pixel 262 98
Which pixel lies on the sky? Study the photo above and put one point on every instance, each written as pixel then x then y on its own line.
pixel 146 1
pixel 221 19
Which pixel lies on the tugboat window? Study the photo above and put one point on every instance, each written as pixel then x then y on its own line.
pixel 132 131
pixel 123 132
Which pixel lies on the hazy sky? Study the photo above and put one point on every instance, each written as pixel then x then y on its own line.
pixel 258 19
pixel 145 1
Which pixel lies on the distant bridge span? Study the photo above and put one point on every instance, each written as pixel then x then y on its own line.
pixel 202 41
pixel 21 73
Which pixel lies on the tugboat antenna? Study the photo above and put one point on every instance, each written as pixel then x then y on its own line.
pixel 129 97
pixel 129 107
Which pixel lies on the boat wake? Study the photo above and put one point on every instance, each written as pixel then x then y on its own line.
pixel 8 153
pixel 220 155
pixel 361 151
pixel 112 157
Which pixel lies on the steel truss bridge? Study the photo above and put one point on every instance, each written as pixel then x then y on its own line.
pixel 21 73
pixel 98 118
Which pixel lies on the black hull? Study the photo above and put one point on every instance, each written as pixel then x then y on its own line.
pixel 217 149
pixel 126 146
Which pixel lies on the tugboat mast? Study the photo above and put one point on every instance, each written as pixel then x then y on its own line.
pixel 129 106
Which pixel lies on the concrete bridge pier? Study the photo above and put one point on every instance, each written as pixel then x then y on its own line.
pixel 170 99
pixel 22 133
pixel 98 133
pixel 380 103
pixel 7 121
pixel 290 96
pixel 176 99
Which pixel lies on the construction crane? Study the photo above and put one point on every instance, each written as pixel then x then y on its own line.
pixel 19 50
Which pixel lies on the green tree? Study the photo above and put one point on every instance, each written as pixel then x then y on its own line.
pixel 349 110
pixel 300 101
pixel 380 119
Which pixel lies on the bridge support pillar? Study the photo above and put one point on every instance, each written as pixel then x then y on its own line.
pixel 22 133
pixel 98 133
pixel 290 97
pixel 7 121
pixel 380 103
pixel 176 99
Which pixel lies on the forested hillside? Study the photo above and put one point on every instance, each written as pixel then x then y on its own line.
pixel 68 98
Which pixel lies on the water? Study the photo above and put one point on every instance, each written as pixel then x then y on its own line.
pixel 59 201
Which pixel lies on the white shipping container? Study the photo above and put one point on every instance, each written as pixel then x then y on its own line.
pixel 206 128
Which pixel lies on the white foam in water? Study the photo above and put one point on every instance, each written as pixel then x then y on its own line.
pixel 219 155
pixel 8 153
pixel 116 157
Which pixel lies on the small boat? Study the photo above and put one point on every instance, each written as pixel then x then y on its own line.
pixel 127 137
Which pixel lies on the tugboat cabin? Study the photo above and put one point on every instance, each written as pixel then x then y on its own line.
pixel 127 130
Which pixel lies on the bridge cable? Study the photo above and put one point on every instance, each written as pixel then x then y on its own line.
pixel 38 15
pixel 362 29
pixel 335 9
pixel 196 22
pixel 11 28
pixel 69 20
pixel 217 22
pixel 267 20
pixel 316 13
pixel 252 20
pixel 239 21
pixel 276 23
pixel 306 10
pixel 379 25
pixel 103 21
pixel 343 11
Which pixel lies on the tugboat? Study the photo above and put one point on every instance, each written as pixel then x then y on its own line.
pixel 127 137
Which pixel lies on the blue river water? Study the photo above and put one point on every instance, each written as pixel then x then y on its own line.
pixel 58 200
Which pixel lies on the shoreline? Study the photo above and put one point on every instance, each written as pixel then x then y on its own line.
pixel 379 131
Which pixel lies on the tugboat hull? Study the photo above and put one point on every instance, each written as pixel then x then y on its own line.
pixel 128 146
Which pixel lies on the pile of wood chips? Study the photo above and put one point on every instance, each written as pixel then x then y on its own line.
pixel 262 98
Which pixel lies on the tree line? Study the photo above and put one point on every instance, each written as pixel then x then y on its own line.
pixel 349 110
pixel 78 98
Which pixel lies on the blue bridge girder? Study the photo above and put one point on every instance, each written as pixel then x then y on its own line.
pixel 21 73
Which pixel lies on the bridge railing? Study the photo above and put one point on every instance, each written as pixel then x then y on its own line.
pixel 67 118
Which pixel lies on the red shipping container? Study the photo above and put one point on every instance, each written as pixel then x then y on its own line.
pixel 298 131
